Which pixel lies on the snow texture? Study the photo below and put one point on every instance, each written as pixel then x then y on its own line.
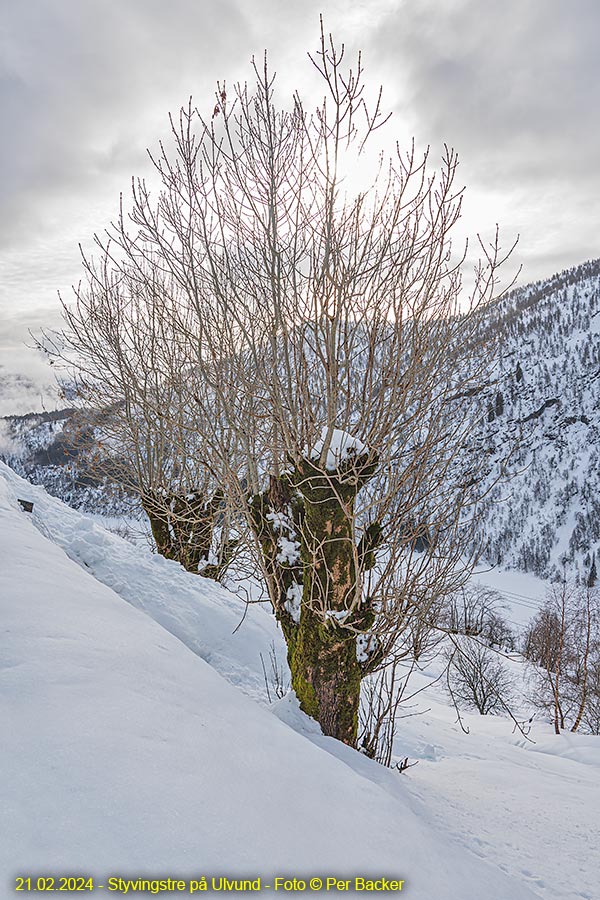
pixel 294 601
pixel 341 448
pixel 289 546
pixel 125 751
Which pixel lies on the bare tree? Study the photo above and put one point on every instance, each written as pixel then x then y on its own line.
pixel 585 638
pixel 549 639
pixel 563 642
pixel 477 677
pixel 591 712
pixel 138 427
pixel 474 610
pixel 310 331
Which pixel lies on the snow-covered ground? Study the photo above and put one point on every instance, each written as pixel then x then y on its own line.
pixel 136 741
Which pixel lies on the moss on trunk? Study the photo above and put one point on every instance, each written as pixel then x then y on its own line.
pixel 278 499
pixel 182 528
pixel 326 674
pixel 317 508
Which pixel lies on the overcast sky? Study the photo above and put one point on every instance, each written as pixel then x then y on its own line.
pixel 86 85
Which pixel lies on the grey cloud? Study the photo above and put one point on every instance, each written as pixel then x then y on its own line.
pixel 27 382
pixel 517 85
pixel 514 87
pixel 85 88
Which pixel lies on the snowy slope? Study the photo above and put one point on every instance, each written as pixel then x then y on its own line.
pixel 531 804
pixel 203 615
pixel 545 400
pixel 123 752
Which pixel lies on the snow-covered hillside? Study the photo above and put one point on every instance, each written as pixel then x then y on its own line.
pixel 136 741
pixel 546 403
pixel 53 448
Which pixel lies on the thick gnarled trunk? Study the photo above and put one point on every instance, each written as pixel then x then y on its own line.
pixel 316 508
pixel 283 577
pixel 326 674
pixel 183 527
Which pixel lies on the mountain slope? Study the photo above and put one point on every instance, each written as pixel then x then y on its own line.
pixel 55 449
pixel 546 403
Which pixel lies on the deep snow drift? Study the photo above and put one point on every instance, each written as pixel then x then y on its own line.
pixel 126 752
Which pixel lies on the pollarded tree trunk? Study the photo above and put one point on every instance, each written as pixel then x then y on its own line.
pixel 276 516
pixel 183 526
pixel 314 511
pixel 326 674
pixel 157 512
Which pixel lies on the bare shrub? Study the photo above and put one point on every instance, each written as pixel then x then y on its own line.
pixel 276 674
pixel 475 611
pixel 477 678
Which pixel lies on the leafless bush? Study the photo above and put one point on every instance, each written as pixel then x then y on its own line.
pixel 475 611
pixel 384 693
pixel 477 677
pixel 276 674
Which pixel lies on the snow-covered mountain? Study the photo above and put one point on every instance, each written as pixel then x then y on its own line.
pixel 546 404
pixel 55 449
pixel 543 408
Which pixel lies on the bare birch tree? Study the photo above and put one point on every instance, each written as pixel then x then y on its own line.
pixel 563 641
pixel 477 677
pixel 313 330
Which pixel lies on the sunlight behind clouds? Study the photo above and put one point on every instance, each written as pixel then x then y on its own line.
pixel 86 88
